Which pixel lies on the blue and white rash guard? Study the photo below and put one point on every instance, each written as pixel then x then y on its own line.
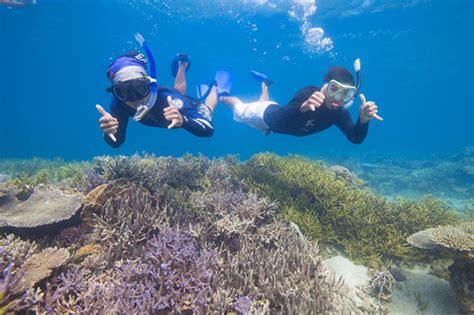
pixel 196 115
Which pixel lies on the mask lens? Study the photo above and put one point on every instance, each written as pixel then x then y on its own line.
pixel 141 87
pixel 120 92
pixel 349 95
pixel 339 92
pixel 332 88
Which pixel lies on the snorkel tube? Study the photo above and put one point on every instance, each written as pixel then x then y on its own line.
pixel 359 82
pixel 143 109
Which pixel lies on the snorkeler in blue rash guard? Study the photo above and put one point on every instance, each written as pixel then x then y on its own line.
pixel 311 110
pixel 134 96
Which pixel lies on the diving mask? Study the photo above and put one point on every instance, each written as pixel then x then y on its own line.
pixel 131 90
pixel 342 94
pixel 339 92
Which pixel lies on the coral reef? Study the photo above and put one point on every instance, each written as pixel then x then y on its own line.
pixel 125 220
pixel 14 252
pixel 457 238
pixel 39 266
pixel 276 265
pixel 369 228
pixel 14 297
pixel 449 177
pixel 343 173
pixel 455 242
pixel 461 280
pixel 193 235
pixel 42 208
pixel 54 170
pixel 173 274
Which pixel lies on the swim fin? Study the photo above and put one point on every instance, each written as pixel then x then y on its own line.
pixel 260 77
pixel 202 91
pixel 175 63
pixel 224 82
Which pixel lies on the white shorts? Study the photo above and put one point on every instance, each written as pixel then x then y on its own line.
pixel 252 114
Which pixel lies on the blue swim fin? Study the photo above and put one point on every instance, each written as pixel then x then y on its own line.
pixel 260 77
pixel 224 82
pixel 202 91
pixel 175 63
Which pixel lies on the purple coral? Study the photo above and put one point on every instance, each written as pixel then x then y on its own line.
pixel 243 304
pixel 182 269
pixel 173 275
pixel 12 298
pixel 92 179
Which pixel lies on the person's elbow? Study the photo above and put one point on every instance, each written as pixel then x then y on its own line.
pixel 208 134
pixel 355 140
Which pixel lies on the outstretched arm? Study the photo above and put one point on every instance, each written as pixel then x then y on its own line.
pixel 113 124
pixel 354 133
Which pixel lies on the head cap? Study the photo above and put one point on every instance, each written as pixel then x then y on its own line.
pixel 341 75
pixel 130 59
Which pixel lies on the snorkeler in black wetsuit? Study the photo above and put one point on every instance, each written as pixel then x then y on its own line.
pixel 136 94
pixel 304 115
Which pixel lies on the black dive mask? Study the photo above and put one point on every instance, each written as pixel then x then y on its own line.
pixel 130 90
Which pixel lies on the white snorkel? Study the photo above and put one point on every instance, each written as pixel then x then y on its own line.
pixel 357 68
pixel 144 108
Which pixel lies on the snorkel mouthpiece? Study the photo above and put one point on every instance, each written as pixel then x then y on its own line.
pixel 143 109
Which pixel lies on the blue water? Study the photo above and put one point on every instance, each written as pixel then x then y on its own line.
pixel 417 62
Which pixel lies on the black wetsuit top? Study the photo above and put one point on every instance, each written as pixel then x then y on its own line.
pixel 196 116
pixel 289 120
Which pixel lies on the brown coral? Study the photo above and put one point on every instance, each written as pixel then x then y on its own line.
pixel 458 238
pixel 455 237
pixel 87 250
pixel 39 266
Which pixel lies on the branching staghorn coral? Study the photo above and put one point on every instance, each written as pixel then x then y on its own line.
pixel 125 221
pixel 14 251
pixel 226 216
pixel 13 254
pixel 253 253
pixel 172 276
pixel 276 264
pixel 153 172
pixel 370 229
pixel 12 299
